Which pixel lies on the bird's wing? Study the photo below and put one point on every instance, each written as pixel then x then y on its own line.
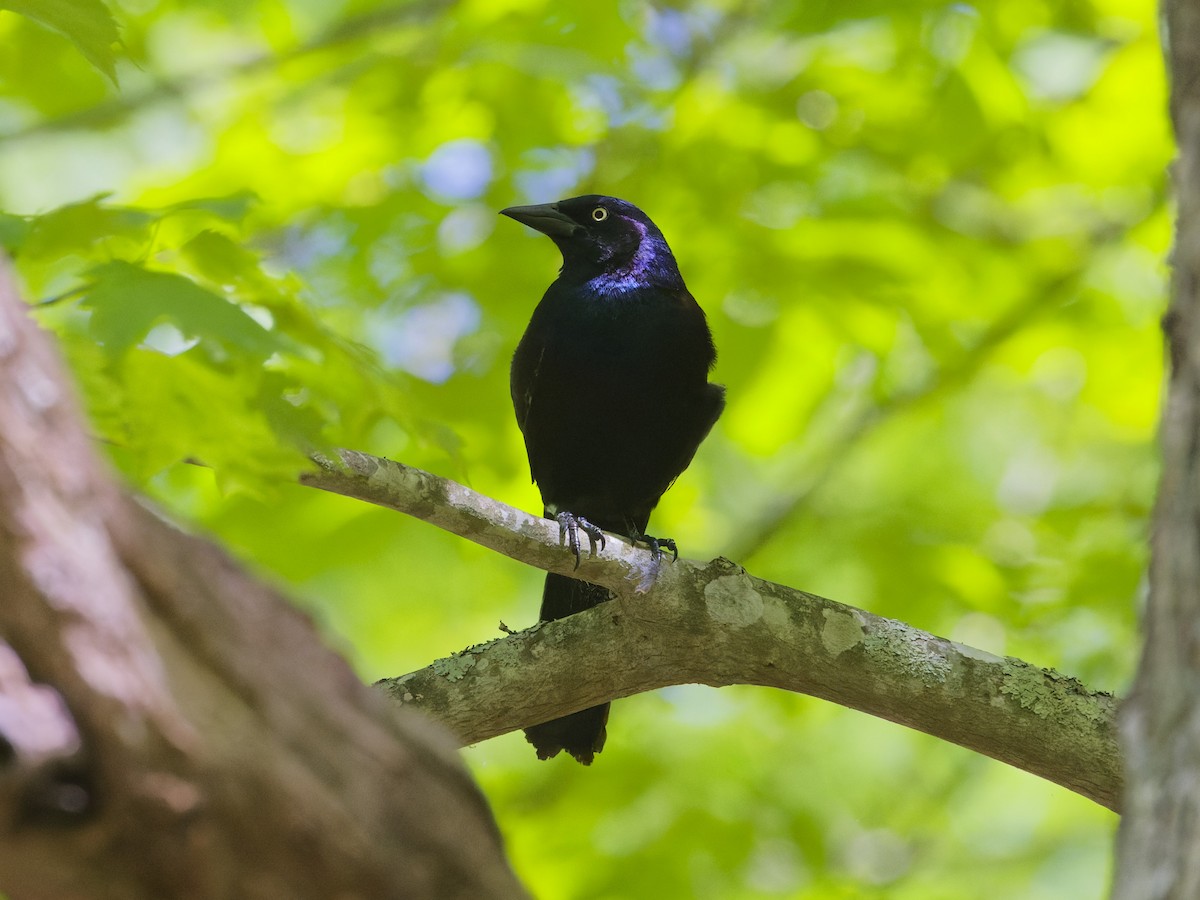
pixel 527 364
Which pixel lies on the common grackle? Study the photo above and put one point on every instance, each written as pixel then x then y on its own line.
pixel 610 386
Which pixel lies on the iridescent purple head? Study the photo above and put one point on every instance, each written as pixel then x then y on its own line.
pixel 607 243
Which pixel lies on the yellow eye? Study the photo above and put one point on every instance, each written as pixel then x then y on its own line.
pixel 599 213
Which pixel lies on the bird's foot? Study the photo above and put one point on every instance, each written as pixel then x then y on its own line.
pixel 569 526
pixel 657 545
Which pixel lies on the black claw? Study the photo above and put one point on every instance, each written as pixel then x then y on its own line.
pixel 657 545
pixel 569 526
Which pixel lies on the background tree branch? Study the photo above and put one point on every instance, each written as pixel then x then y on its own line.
pixel 715 624
pixel 1160 722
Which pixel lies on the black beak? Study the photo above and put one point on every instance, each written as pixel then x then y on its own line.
pixel 545 218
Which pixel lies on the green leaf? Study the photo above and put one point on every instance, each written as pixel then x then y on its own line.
pixel 87 23
pixel 127 301
pixel 232 208
pixel 13 231
pixel 296 423
pixel 79 227
pixel 221 260
pixel 156 410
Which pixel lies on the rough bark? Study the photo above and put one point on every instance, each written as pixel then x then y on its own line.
pixel 169 727
pixel 1158 848
pixel 685 622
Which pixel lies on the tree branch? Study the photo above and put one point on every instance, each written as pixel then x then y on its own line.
pixel 1160 721
pixel 688 622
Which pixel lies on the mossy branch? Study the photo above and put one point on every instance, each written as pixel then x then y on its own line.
pixel 714 623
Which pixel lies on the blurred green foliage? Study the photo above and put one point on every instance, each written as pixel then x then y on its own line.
pixel 929 238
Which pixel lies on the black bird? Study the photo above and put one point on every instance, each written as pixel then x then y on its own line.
pixel 610 386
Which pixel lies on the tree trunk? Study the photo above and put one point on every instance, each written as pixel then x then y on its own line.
pixel 1158 852
pixel 169 727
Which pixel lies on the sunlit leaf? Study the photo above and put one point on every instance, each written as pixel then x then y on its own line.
pixel 88 23
pixel 233 208
pixel 127 300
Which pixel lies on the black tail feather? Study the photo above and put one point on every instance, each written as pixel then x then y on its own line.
pixel 581 734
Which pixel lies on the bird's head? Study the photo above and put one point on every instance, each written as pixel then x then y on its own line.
pixel 603 240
